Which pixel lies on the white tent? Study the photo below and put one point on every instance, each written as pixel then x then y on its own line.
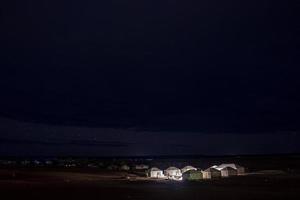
pixel 240 169
pixel 187 168
pixel 173 173
pixel 156 173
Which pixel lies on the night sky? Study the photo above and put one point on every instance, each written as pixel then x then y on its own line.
pixel 161 77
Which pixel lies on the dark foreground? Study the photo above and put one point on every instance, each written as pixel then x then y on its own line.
pixel 56 184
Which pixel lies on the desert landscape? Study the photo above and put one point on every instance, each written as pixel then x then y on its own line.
pixel 282 181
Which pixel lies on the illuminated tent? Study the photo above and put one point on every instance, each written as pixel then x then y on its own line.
pixel 173 173
pixel 240 169
pixel 211 173
pixel 206 174
pixel 192 175
pixel 228 171
pixel 155 173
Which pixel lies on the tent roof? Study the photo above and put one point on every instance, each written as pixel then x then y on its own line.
pixel 155 169
pixel 172 168
pixel 188 167
pixel 232 165
pixel 211 169
pixel 228 168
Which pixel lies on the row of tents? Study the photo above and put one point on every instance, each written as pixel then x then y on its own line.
pixel 192 173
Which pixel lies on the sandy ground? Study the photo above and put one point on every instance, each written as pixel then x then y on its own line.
pixel 57 184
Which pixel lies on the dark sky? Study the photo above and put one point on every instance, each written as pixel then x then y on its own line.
pixel 119 77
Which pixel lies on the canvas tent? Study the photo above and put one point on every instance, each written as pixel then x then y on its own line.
pixel 206 174
pixel 173 173
pixel 155 173
pixel 240 169
pixel 228 171
pixel 192 175
pixel 187 168
pixel 214 173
